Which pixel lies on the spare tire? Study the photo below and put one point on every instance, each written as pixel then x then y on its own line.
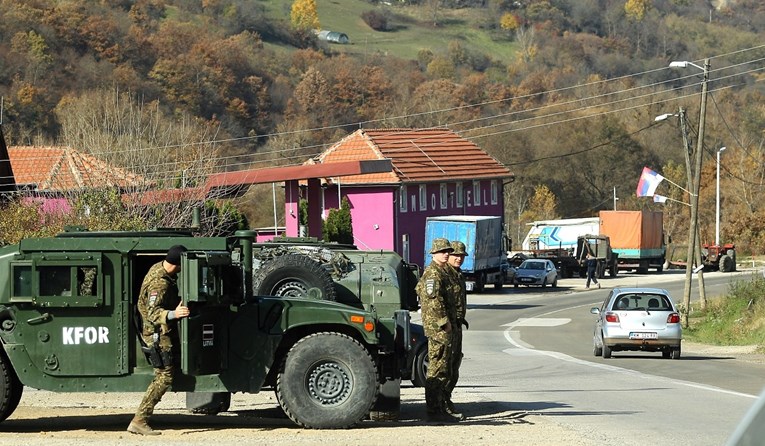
pixel 293 275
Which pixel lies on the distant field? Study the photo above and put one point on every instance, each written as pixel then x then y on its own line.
pixel 413 31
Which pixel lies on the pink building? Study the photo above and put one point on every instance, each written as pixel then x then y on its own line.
pixel 434 172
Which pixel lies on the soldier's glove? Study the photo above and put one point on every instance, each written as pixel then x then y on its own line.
pixel 465 323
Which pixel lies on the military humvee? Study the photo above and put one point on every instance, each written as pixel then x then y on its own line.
pixel 326 327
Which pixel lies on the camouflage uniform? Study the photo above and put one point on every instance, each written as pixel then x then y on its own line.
pixel 158 296
pixel 459 295
pixel 434 291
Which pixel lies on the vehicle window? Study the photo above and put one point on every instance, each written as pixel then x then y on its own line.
pixel 532 265
pixel 55 281
pixel 605 302
pixel 641 302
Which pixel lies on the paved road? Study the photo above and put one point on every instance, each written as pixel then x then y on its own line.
pixel 533 351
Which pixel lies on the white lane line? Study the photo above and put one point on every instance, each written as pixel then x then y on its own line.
pixel 513 337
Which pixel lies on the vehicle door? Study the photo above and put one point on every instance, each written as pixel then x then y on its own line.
pixel 68 320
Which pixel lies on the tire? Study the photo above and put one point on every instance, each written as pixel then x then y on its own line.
pixel 675 353
pixel 480 283
pixel 420 367
pixel 726 264
pixel 597 351
pixel 498 285
pixel 613 270
pixel 606 351
pixel 293 275
pixel 10 388
pixel 555 283
pixel 327 381
pixel 666 353
pixel 544 282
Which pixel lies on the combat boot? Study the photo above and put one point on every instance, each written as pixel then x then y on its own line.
pixel 141 427
pixel 445 417
pixel 452 411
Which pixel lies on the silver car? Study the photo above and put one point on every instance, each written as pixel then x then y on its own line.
pixel 536 272
pixel 632 319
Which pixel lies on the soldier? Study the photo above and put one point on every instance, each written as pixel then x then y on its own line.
pixel 459 294
pixel 438 318
pixel 160 308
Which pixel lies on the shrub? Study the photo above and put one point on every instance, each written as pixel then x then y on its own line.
pixel 376 20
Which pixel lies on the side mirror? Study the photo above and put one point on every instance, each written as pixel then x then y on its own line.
pixel 595 310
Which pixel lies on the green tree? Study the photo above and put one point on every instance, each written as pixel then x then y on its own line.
pixel 338 227
pixel 303 15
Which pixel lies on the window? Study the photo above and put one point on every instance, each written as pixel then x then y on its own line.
pixel 58 281
pixel 476 193
pixel 402 199
pixel 423 197
pixel 494 192
pixel 55 280
pixel 460 194
pixel 444 196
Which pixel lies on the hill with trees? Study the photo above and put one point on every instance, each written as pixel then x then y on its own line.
pixel 564 92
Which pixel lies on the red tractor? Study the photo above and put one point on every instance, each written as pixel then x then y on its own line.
pixel 717 257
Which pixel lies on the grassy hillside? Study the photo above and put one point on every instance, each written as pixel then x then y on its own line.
pixel 412 30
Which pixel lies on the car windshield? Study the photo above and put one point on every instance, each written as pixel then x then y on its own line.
pixel 642 302
pixel 532 265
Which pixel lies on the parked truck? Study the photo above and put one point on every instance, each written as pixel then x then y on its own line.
pixel 325 327
pixel 599 246
pixel 637 237
pixel 486 260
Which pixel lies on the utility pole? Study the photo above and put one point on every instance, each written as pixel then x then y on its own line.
pixel 692 233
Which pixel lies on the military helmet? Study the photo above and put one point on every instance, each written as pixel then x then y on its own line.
pixel 459 248
pixel 439 245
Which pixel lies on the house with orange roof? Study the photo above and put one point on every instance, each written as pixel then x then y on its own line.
pixel 50 172
pixel 434 171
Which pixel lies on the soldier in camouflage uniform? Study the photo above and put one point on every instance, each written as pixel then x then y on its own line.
pixel 438 318
pixel 160 308
pixel 459 294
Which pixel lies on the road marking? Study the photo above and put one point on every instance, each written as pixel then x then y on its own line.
pixel 526 349
pixel 538 322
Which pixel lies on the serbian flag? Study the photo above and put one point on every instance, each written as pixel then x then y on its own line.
pixel 659 199
pixel 649 181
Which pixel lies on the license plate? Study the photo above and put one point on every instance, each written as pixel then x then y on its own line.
pixel 526 279
pixel 642 335
pixel 469 286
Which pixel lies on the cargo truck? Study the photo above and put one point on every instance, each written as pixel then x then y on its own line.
pixel 637 237
pixel 486 260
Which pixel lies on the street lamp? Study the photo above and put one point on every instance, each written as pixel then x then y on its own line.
pixel 696 184
pixel 717 207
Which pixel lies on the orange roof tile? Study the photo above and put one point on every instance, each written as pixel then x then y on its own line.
pixel 61 168
pixel 417 155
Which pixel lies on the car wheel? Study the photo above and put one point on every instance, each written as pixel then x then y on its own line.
pixel 666 353
pixel 544 282
pixel 606 351
pixel 675 353
pixel 597 351
pixel 420 367
pixel 515 285
pixel 555 282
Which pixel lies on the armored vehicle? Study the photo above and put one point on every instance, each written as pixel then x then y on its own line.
pixel 325 327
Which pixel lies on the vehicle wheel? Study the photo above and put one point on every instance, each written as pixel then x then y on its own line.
pixel 675 353
pixel 597 351
pixel 665 353
pixel 327 381
pixel 420 367
pixel 515 285
pixel 293 275
pixel 613 270
pixel 480 283
pixel 498 285
pixel 606 351
pixel 10 388
pixel 555 283
pixel 726 264
pixel 544 282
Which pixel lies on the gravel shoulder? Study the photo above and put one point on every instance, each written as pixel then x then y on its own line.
pixel 47 418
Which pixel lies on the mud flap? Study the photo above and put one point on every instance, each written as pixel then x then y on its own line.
pixel 388 405
pixel 208 403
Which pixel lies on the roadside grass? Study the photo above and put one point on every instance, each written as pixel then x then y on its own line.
pixel 735 319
